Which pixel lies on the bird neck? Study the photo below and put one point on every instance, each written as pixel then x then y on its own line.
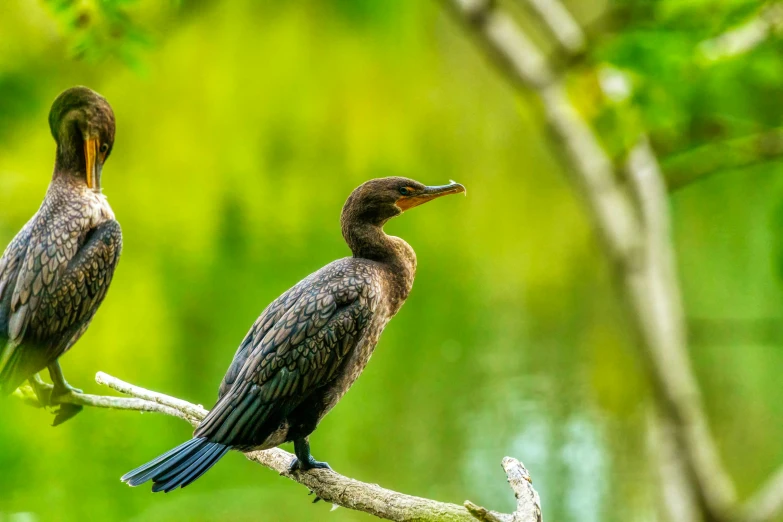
pixel 72 178
pixel 369 241
pixel 70 150
pixel 70 166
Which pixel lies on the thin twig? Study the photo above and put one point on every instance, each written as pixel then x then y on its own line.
pixel 26 394
pixel 189 411
pixel 745 37
pixel 688 167
pixel 483 515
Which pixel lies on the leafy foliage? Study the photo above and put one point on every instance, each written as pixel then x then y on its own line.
pixel 686 99
pixel 97 29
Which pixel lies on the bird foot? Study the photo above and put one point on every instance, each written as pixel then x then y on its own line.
pixel 316 499
pixel 311 463
pixel 43 391
pixel 63 389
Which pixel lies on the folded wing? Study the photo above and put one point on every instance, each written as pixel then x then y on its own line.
pixel 57 291
pixel 295 356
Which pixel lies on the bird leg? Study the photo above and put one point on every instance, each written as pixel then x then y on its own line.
pixel 61 387
pixel 303 460
pixel 43 391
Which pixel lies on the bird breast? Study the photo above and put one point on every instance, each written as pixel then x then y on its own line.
pixel 354 365
pixel 98 209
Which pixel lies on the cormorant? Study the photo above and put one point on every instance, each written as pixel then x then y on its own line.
pixel 56 271
pixel 309 346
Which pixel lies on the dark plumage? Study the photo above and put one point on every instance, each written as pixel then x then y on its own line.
pixel 56 271
pixel 309 346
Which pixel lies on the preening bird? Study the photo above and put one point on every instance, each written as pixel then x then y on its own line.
pixel 56 271
pixel 309 346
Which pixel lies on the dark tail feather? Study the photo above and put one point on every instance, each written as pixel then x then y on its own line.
pixel 159 466
pixel 179 467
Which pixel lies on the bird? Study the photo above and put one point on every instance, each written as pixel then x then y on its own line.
pixel 309 345
pixel 56 271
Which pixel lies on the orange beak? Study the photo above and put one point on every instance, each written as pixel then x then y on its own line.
pixel 90 157
pixel 428 194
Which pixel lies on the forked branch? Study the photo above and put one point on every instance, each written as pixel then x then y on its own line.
pixel 325 484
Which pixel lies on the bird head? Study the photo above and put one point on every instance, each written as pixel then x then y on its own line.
pixel 82 124
pixel 379 200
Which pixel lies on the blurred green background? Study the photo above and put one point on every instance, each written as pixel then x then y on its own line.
pixel 242 126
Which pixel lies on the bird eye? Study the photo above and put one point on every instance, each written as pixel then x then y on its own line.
pixel 104 148
pixel 405 191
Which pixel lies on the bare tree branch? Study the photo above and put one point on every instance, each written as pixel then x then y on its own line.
pixel 528 502
pixel 499 33
pixel 665 327
pixel 767 503
pixel 677 498
pixel 325 484
pixel 636 237
pixel 561 24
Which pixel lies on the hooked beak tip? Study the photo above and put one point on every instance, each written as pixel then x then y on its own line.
pixel 430 193
pixel 464 190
